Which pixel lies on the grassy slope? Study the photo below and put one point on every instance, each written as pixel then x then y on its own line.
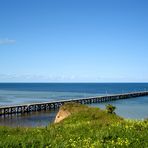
pixel 86 127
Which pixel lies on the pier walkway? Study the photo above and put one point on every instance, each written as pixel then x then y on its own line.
pixel 26 108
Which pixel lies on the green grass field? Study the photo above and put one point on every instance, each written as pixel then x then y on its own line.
pixel 87 127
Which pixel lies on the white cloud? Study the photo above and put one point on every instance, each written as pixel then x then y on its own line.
pixel 66 78
pixel 43 78
pixel 7 41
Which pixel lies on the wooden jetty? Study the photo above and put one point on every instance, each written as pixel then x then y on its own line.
pixel 9 110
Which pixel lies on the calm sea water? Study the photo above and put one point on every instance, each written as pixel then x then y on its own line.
pixel 18 93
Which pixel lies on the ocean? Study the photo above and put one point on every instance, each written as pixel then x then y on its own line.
pixel 22 93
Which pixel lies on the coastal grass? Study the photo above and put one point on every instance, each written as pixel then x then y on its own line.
pixel 86 127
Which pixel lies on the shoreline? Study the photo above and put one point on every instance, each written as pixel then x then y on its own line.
pixel 80 128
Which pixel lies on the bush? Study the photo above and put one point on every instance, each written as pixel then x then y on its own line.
pixel 110 109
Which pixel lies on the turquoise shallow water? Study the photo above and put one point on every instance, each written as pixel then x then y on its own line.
pixel 133 108
pixel 13 93
pixel 9 97
pixel 33 119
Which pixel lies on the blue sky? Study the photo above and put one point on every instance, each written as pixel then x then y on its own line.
pixel 73 41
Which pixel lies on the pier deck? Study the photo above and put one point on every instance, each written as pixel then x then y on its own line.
pixel 15 109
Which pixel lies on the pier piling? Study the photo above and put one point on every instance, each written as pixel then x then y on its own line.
pixel 20 109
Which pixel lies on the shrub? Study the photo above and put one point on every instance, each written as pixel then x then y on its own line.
pixel 110 109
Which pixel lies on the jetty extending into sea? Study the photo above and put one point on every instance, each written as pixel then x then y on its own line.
pixel 26 108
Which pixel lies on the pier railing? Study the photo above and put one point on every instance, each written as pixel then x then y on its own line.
pixel 15 109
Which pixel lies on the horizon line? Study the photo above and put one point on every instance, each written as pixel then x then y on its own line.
pixel 74 82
